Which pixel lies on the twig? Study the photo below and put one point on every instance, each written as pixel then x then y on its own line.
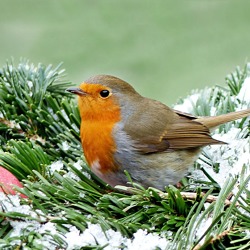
pixel 194 196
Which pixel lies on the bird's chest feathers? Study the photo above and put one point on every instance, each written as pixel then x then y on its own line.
pixel 98 144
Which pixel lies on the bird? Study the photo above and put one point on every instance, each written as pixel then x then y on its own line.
pixel 123 132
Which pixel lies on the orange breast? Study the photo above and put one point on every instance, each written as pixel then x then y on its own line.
pixel 98 118
pixel 98 145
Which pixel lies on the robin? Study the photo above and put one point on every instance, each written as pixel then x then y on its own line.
pixel 122 130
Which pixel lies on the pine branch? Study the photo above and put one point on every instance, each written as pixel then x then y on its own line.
pixel 39 143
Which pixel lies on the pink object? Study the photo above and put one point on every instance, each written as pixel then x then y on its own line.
pixel 7 180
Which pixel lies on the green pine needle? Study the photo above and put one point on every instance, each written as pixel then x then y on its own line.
pixel 39 127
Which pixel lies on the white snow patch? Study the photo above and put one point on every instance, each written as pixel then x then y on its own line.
pixel 71 175
pixel 10 68
pixel 53 114
pixel 55 166
pixel 188 103
pixel 78 165
pixel 75 239
pixel 230 157
pixel 202 227
pixel 147 241
pixel 244 94
pixel 65 115
pixel 30 84
pixel 11 203
pixel 65 146
pixel 75 128
pixel 46 230
pixel 27 67
pixel 94 235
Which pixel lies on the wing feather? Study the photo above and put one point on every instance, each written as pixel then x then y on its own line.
pixel 175 131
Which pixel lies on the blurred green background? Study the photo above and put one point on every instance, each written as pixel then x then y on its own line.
pixel 164 48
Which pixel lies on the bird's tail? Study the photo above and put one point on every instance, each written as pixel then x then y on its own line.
pixel 214 121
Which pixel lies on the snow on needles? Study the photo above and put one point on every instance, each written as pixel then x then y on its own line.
pixel 35 223
pixel 74 239
pixel 114 240
pixel 230 158
pixel 244 94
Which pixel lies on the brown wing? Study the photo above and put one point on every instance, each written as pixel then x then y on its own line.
pixel 188 133
pixel 175 131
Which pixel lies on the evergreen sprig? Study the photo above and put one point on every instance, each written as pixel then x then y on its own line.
pixel 36 109
pixel 38 118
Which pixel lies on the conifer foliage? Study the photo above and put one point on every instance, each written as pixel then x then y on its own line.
pixel 67 207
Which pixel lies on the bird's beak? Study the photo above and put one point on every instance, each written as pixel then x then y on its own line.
pixel 76 91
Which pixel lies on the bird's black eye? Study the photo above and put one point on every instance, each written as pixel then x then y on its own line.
pixel 104 93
